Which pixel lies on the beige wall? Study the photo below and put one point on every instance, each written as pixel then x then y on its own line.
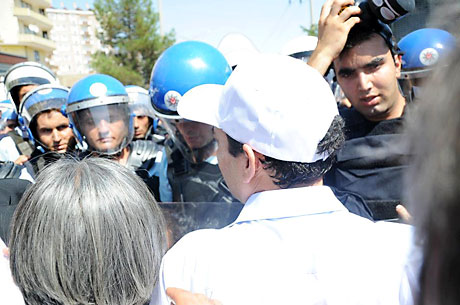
pixel 11 27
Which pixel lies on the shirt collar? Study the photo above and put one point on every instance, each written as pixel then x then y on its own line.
pixel 284 203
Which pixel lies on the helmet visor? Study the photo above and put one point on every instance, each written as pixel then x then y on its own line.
pixel 195 140
pixel 141 105
pixel 106 129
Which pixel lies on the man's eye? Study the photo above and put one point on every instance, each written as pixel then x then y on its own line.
pixel 62 127
pixel 345 74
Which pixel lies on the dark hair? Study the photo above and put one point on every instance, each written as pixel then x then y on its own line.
pixel 33 122
pixel 14 92
pixel 362 32
pixel 288 174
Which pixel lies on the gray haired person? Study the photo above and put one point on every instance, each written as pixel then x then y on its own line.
pixel 433 181
pixel 88 232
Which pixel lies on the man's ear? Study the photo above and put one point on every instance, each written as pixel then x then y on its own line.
pixel 252 163
pixel 398 64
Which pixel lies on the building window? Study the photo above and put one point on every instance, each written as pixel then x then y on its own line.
pixel 45 34
pixel 37 56
pixel 24 4
pixel 41 11
pixel 27 30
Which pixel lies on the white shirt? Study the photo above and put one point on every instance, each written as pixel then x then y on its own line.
pixel 9 152
pixel 9 292
pixel 292 246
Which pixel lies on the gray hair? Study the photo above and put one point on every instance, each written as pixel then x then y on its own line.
pixel 88 232
pixel 433 181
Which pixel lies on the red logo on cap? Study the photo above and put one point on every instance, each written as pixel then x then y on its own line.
pixel 429 56
pixel 172 99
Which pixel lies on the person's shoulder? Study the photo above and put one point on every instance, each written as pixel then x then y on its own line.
pixel 196 242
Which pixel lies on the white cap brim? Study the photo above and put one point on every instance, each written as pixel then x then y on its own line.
pixel 201 104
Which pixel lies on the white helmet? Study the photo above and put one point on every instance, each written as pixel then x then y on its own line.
pixel 300 47
pixel 27 73
pixel 236 47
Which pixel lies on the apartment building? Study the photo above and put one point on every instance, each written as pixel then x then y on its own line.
pixel 75 35
pixel 25 29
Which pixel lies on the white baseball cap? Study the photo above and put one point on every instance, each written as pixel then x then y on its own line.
pixel 278 105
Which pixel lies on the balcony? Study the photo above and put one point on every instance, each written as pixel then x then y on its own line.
pixel 40 3
pixel 37 42
pixel 28 16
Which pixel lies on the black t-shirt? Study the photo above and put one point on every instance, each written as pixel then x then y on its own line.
pixel 372 162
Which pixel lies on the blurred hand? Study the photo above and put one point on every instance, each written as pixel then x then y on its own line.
pixel 404 214
pixel 21 159
pixel 6 252
pixel 184 297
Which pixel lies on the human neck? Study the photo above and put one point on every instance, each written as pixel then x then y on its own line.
pixel 124 155
pixel 268 185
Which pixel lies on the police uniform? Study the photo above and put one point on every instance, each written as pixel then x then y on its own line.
pixel 148 160
pixel 197 182
pixel 192 172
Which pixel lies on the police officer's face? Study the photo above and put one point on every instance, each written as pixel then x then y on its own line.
pixel 368 74
pixel 195 134
pixel 9 126
pixel 141 126
pixel 23 91
pixel 105 127
pixel 54 132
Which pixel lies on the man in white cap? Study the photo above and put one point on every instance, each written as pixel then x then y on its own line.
pixel 278 130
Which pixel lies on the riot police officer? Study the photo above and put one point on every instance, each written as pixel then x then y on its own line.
pixel 192 170
pixel 422 50
pixel 145 122
pixel 8 117
pixel 98 109
pixel 47 128
pixel 20 79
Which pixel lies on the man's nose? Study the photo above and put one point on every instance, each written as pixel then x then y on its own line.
pixel 56 135
pixel 364 81
pixel 103 126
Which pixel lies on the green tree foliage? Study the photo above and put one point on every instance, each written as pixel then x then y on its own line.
pixel 312 31
pixel 131 40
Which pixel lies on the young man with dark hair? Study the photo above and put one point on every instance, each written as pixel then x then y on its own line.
pixel 365 60
pixel 277 128
pixel 49 130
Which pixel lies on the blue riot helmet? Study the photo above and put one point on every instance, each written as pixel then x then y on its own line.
pixel 98 110
pixel 180 68
pixel 8 116
pixel 142 110
pixel 423 49
pixel 42 98
pixel 24 74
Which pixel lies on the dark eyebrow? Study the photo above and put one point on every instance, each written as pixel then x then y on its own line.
pixel 376 61
pixel 346 71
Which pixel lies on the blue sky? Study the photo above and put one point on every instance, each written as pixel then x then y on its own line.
pixel 267 23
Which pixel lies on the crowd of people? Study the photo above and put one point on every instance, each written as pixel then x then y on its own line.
pixel 329 149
